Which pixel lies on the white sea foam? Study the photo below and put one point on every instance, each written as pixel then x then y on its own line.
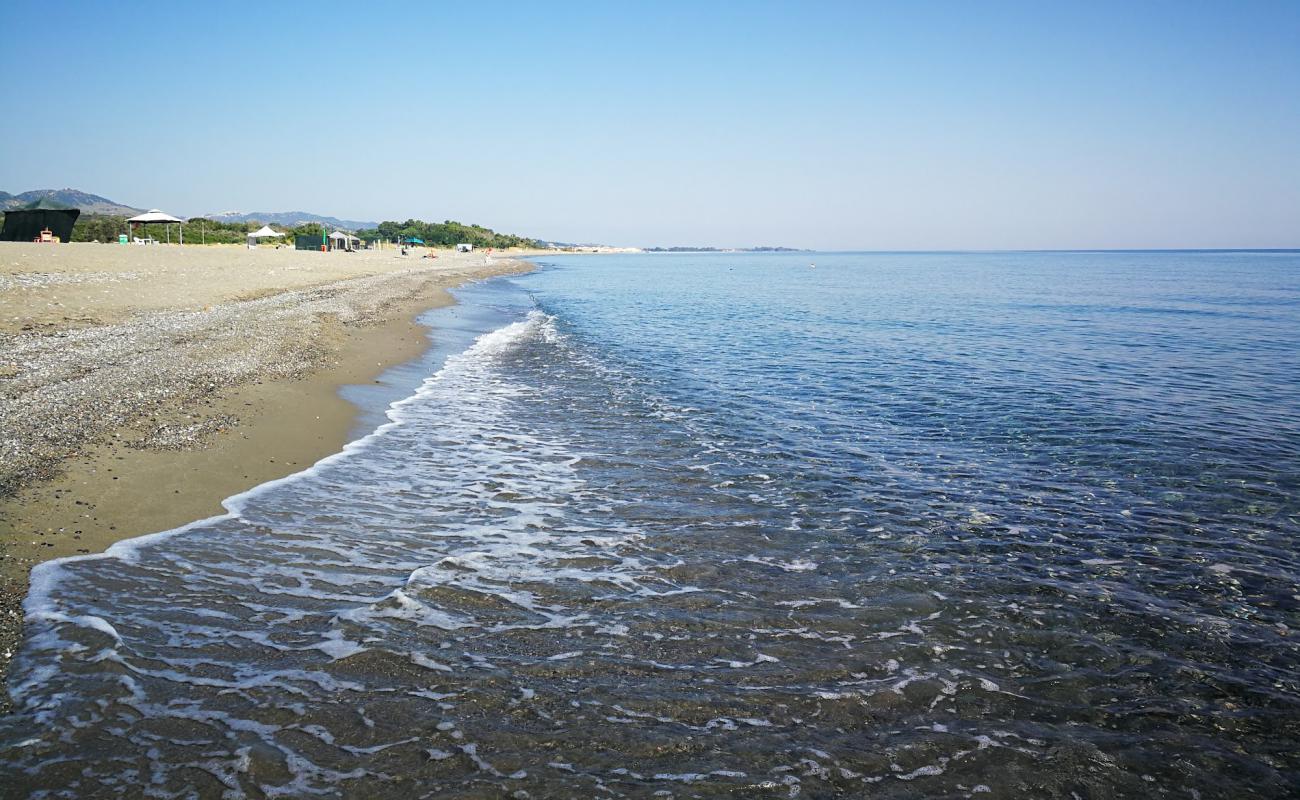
pixel 45 577
pixel 794 565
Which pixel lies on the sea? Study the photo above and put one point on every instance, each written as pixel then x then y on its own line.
pixel 736 525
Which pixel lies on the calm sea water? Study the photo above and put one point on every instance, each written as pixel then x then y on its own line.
pixel 896 525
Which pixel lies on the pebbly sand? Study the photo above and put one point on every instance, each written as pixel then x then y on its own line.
pixel 140 386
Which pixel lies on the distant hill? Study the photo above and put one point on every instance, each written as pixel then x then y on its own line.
pixel 289 219
pixel 94 204
pixel 65 198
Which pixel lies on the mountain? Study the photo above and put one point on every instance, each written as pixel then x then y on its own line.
pixel 289 219
pixel 94 204
pixel 65 198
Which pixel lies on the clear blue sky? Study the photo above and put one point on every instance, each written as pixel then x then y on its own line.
pixel 811 124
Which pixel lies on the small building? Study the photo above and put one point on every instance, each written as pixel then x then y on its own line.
pixel 464 247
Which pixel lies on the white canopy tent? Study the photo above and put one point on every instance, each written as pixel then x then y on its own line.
pixel 263 232
pixel 154 215
pixel 343 241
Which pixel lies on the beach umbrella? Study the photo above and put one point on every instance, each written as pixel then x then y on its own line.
pixel 154 215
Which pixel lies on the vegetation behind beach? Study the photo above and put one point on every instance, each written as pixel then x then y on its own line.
pixel 200 230
pixel 445 234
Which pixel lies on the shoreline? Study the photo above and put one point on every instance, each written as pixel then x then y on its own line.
pixel 165 464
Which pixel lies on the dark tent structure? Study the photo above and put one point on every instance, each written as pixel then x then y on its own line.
pixel 26 225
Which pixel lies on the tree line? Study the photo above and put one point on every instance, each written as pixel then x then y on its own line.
pixel 198 230
pixel 444 234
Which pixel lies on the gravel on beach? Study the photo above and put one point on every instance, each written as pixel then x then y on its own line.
pixel 73 386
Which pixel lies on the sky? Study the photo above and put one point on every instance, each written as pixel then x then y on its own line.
pixel 823 125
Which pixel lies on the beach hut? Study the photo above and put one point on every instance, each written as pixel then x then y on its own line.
pixel 154 215
pixel 263 232
pixel 344 241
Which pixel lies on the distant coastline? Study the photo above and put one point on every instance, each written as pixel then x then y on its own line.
pixel 725 250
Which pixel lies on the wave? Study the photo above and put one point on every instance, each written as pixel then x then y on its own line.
pixel 490 345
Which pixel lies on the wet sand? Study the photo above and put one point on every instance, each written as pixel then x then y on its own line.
pixel 140 386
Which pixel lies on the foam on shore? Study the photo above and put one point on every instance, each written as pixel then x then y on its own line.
pixel 45 576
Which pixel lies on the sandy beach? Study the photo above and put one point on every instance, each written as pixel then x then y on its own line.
pixel 140 386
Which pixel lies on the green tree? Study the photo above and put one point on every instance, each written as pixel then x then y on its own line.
pixel 444 234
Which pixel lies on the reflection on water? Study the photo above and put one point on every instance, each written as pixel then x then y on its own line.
pixel 985 526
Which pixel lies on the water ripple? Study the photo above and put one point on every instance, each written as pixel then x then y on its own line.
pixel 1015 525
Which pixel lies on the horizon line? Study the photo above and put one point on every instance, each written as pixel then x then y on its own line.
pixel 788 251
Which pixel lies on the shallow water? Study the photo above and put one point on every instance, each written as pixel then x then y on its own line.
pixel 989 525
